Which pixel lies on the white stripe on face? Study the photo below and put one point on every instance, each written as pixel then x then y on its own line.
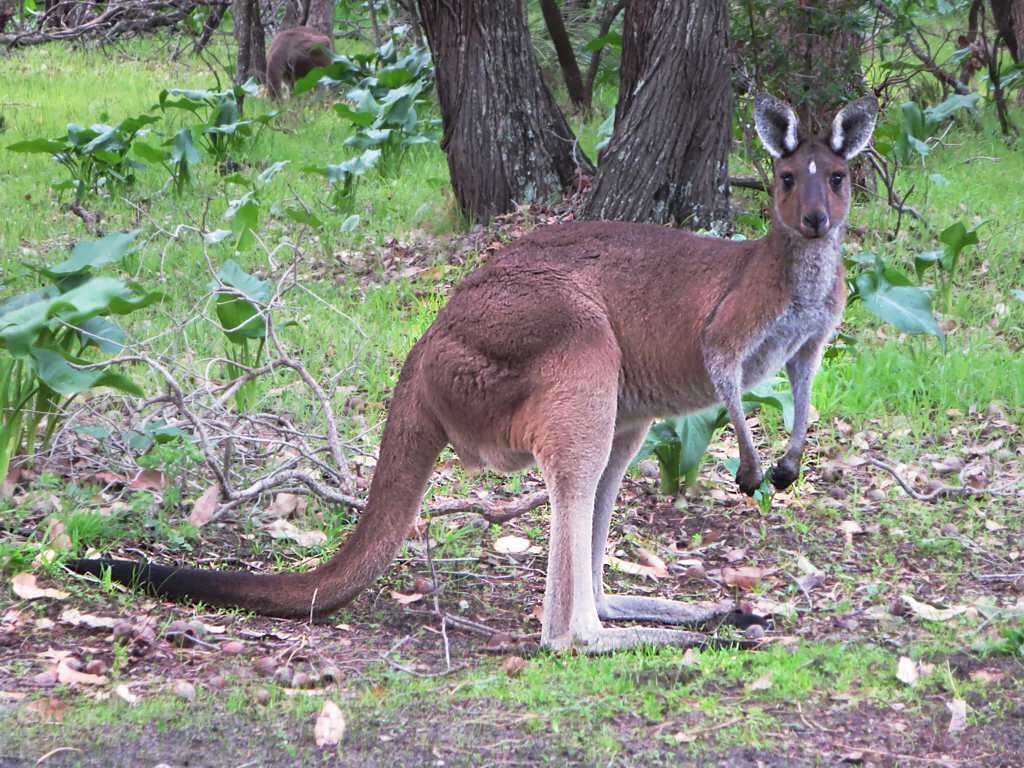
pixel 812 168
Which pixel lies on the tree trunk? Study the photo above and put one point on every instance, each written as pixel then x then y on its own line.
pixel 295 12
pixel 321 16
pixel 1009 17
pixel 668 158
pixel 506 140
pixel 566 56
pixel 822 69
pixel 252 51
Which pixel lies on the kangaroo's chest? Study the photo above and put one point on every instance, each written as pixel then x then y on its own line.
pixel 781 339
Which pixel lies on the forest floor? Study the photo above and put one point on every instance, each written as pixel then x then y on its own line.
pixel 898 634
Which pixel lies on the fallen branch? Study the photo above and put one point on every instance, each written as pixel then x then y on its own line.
pixel 943 491
pixel 491 511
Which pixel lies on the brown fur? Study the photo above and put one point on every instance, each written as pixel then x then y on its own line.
pixel 562 350
pixel 294 54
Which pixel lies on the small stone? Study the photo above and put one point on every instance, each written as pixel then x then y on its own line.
pixel 283 676
pixel 837 492
pixel 233 648
pixel 422 586
pixel 72 662
pixel 45 679
pixel 261 696
pixel 874 494
pixel 184 690
pixel 754 632
pixel 265 666
pixel 302 680
pixel 123 630
pixel 695 573
pixel 950 530
pixel 179 633
pixel 649 468
pixel 217 683
pixel 96 667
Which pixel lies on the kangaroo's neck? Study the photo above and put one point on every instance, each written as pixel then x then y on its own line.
pixel 810 265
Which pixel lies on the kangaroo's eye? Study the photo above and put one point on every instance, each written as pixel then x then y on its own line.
pixel 837 181
pixel 787 181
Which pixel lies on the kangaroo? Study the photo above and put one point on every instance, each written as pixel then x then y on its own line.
pixel 294 54
pixel 562 350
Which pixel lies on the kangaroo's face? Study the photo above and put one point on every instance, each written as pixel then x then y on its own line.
pixel 812 185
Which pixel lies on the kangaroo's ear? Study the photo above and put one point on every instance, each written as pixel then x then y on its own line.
pixel 852 127
pixel 776 124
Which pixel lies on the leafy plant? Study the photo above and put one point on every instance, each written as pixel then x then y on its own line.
pixel 954 238
pixel 244 212
pixel 241 306
pixel 907 139
pixel 384 106
pixel 44 335
pixel 343 178
pixel 96 158
pixel 177 158
pixel 891 296
pixel 679 443
pixel 220 130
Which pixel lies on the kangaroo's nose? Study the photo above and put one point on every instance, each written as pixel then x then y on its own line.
pixel 815 223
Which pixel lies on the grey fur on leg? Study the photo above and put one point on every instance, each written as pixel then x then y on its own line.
pixel 800 369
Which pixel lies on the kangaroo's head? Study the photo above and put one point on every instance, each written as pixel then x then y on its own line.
pixel 812 186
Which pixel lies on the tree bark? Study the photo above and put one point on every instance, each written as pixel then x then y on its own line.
pixel 668 158
pixel 295 13
pixel 1009 17
pixel 566 56
pixel 252 50
pixel 321 16
pixel 506 140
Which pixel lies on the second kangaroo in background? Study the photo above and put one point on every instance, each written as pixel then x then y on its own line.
pixel 294 54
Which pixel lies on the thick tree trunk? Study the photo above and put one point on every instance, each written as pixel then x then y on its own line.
pixel 252 50
pixel 295 13
pixel 668 158
pixel 321 16
pixel 566 56
pixel 506 140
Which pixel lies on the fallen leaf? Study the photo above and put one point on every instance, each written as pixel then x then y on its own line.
pixel 58 536
pixel 24 586
pixel 633 569
pixel 205 506
pixel 514 665
pixel 10 483
pixel 735 555
pixel 762 683
pixel 930 612
pixel 122 692
pixel 987 675
pixel 282 529
pixel 957 715
pixel 287 505
pixel 691 658
pixel 906 670
pixel 511 545
pixel 993 525
pixel 148 480
pixel 47 710
pixel 805 566
pixel 652 561
pixel 330 725
pixel 745 578
pixel 403 599
pixel 69 676
pixel 850 528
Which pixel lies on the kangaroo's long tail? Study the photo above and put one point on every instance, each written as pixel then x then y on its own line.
pixel 411 443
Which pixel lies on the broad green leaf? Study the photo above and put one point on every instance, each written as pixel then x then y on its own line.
pixel 103 333
pixel 92 254
pixel 956 237
pixel 150 153
pixel 267 175
pixel 58 374
pixel 350 224
pixel 925 261
pixel 183 150
pixel 776 394
pixel 239 309
pixel 44 146
pixel 942 112
pixel 612 39
pixel 302 216
pixel 907 307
